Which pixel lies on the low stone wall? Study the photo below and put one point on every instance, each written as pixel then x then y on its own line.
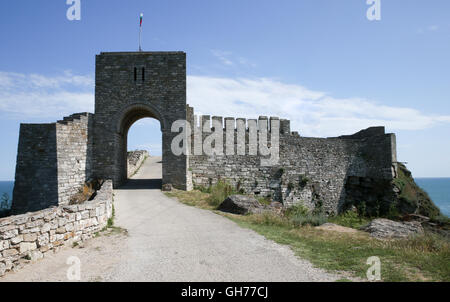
pixel 33 235
pixel 135 160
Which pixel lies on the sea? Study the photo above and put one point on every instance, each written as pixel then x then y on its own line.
pixel 439 191
pixel 437 188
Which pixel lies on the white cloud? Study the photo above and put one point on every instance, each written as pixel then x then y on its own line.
pixel 228 59
pixel 34 95
pixel 223 56
pixel 312 113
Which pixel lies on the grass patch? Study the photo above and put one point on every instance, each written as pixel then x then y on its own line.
pixel 110 228
pixel 264 200
pixel 195 198
pixel 219 192
pixel 349 219
pixel 419 258
pixel 206 198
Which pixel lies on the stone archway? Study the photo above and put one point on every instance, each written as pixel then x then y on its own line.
pixel 125 119
pixel 134 85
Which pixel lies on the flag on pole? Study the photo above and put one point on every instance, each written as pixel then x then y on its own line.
pixel 140 30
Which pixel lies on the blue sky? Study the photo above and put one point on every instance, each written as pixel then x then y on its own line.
pixel 320 63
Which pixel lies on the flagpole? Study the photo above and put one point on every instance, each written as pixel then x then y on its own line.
pixel 140 30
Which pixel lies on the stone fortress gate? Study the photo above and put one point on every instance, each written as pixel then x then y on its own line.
pixel 55 160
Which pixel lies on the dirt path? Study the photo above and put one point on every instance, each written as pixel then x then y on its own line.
pixel 169 241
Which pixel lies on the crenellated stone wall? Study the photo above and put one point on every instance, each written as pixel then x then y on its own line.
pixel 36 234
pixel 311 171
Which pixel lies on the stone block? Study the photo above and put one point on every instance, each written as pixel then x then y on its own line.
pixel 27 246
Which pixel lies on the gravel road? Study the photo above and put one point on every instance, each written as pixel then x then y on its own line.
pixel 169 241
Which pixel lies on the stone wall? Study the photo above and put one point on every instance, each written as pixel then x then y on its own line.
pixel 135 160
pixel 312 171
pixel 34 235
pixel 74 154
pixel 53 162
pixel 36 181
pixel 130 86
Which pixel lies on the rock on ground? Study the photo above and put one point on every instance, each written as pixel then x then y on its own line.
pixel 385 228
pixel 241 204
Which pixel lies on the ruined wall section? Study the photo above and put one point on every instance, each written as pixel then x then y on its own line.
pixel 74 153
pixel 312 171
pixel 36 180
pixel 53 162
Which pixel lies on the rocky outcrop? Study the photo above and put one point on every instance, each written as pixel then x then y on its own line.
pixel 410 198
pixel 135 160
pixel 34 235
pixel 385 228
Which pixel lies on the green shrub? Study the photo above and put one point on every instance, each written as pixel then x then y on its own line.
pixel 4 201
pixel 309 219
pixel 264 200
pixel 203 189
pixel 296 210
pixel 349 219
pixel 299 215
pixel 302 181
pixel 441 219
pixel 413 199
pixel 4 206
pixel 219 192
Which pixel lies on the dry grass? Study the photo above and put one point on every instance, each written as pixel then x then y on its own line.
pixel 419 258
pixel 193 198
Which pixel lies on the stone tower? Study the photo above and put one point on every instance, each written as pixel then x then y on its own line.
pixel 130 86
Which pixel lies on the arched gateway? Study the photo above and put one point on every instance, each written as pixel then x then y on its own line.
pixel 130 86
pixel 55 160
